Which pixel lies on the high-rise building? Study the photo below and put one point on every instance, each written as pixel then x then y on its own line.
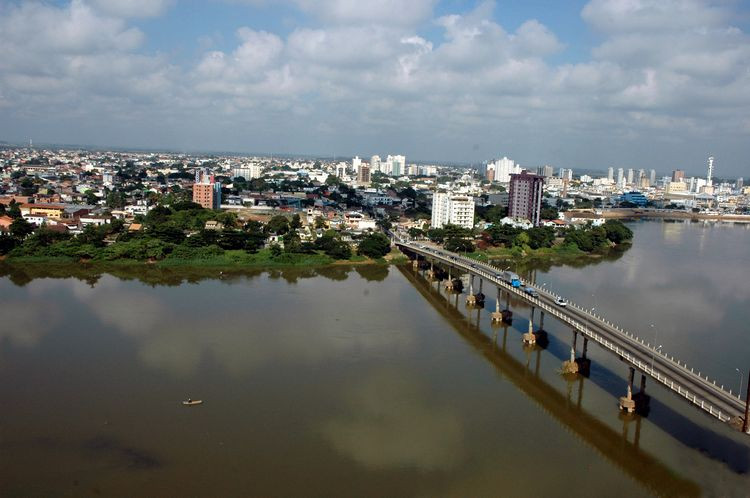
pixel 206 191
pixel 395 165
pixel 341 170
pixel 454 209
pixel 525 197
pixel 363 174
pixel 375 164
pixel 630 176
pixel 504 168
pixel 548 171
pixel 678 175
pixel 710 175
pixel 620 176
pixel 489 172
pixel 566 174
pixel 356 161
pixel 611 174
pixel 652 177
pixel 739 183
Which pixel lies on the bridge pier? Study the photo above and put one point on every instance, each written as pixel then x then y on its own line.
pixel 431 272
pixel 627 404
pixel 448 284
pixel 415 263
pixel 529 338
pixel 577 365
pixel 501 315
pixel 471 299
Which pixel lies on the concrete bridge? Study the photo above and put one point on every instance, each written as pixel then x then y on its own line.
pixel 697 389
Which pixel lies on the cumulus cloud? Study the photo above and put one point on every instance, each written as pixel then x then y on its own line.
pixel 360 77
pixel 392 12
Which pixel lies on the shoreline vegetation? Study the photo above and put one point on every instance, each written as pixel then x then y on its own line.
pixel 185 235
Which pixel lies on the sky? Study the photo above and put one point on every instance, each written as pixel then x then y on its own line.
pixel 577 84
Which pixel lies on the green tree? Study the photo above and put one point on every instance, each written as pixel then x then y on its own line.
pixel 617 232
pixel 295 223
pixel 456 244
pixel 375 245
pixel 540 237
pixel 115 200
pixel 278 225
pixel 14 210
pixel 20 228
pixel 91 197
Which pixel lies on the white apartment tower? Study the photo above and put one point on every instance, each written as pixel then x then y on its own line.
pixel 374 164
pixel 448 208
pixel 620 176
pixel 611 174
pixel 710 176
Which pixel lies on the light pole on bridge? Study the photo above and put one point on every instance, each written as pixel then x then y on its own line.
pixel 653 354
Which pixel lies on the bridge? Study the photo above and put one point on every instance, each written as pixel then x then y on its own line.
pixel 651 362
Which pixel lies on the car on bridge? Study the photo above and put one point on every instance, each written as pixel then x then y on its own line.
pixel 531 291
pixel 561 302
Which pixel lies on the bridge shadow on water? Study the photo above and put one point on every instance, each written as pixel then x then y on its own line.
pixel 615 446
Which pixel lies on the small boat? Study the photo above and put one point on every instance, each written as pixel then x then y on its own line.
pixel 192 402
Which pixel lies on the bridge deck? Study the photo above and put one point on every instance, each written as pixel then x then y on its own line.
pixel 668 371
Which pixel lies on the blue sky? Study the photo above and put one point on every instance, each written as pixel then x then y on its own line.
pixel 645 83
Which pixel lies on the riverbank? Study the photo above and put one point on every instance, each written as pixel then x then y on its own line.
pixel 545 258
pixel 229 259
pixel 668 214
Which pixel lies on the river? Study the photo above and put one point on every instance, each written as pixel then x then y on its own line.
pixel 364 381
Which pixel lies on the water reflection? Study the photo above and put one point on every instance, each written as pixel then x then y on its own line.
pixel 388 422
pixel 179 340
pixel 620 448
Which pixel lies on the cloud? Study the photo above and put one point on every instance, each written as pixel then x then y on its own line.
pixel 356 78
pixel 132 8
pixel 390 12
pixel 389 423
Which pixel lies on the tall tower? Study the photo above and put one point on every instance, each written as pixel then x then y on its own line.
pixel 709 177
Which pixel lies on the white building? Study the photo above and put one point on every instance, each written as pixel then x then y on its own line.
pixel 248 171
pixel 449 208
pixel 395 165
pixel 504 168
pixel 375 164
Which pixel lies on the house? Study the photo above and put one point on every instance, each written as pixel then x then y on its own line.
pixel 5 223
pixel 214 225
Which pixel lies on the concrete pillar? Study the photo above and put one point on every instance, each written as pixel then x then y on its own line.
pixel 533 309
pixel 585 346
pixel 627 404
pixel 497 317
pixel 480 284
pixel 571 366
pixel 529 337
pixel 643 384
pixel 471 300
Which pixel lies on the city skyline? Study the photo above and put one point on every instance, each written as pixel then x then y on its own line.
pixel 651 85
